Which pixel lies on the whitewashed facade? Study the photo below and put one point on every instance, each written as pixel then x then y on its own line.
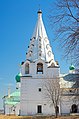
pixel 38 67
pixel 11 103
pixel 69 83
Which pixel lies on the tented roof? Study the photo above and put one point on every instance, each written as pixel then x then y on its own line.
pixel 40 47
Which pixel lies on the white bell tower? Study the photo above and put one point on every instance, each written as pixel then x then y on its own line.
pixel 39 66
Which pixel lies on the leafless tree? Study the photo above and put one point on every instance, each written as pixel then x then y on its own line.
pixel 52 93
pixel 64 19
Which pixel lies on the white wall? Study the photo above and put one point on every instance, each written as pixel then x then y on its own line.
pixel 66 104
pixel 47 72
pixel 9 109
pixel 30 95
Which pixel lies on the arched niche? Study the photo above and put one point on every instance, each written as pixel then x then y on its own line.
pixel 27 68
pixel 74 108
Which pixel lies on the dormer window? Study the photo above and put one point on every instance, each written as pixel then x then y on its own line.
pixel 52 65
pixel 39 54
pixel 49 53
pixel 39 39
pixel 39 68
pixel 47 46
pixel 27 68
pixel 39 46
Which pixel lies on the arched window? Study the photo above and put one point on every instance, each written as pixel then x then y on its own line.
pixel 27 68
pixel 39 68
pixel 74 108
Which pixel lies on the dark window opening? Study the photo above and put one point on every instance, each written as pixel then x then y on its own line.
pixel 39 89
pixel 70 91
pixel 57 109
pixel 40 46
pixel 39 39
pixel 27 69
pixel 74 108
pixel 39 109
pixel 39 54
pixel 39 68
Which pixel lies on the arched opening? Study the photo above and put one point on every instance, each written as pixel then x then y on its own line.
pixel 52 65
pixel 39 68
pixel 57 109
pixel 27 68
pixel 74 108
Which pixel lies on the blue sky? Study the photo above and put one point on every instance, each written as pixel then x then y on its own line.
pixel 17 22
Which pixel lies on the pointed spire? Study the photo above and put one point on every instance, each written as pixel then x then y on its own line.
pixel 39 47
pixel 39 14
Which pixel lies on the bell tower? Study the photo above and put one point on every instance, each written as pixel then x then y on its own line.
pixel 38 67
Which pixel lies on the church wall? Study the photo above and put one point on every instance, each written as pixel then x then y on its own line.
pixel 66 104
pixel 47 72
pixel 31 97
pixel 65 107
pixel 52 72
pixel 29 88
pixel 9 109
pixel 30 108
pixel 18 109
pixel 32 68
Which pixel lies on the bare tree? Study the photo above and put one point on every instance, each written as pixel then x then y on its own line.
pixel 52 93
pixel 64 19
